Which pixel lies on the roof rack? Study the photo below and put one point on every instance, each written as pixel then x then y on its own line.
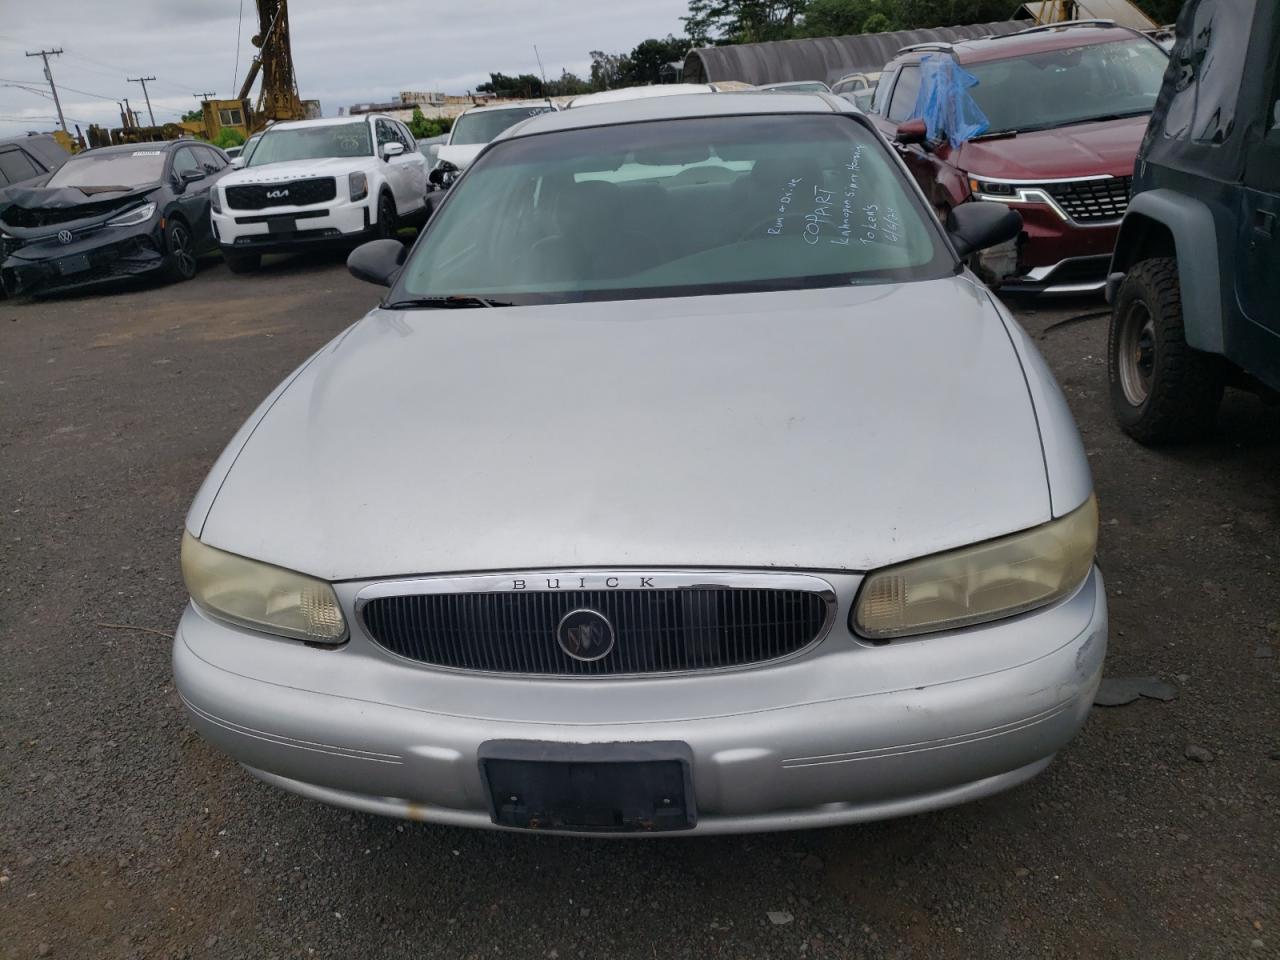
pixel 926 45
pixel 1044 27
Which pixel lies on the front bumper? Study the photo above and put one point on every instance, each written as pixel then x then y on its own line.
pixel 1056 256
pixel 102 256
pixel 284 229
pixel 847 732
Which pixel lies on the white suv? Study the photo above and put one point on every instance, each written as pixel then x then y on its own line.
pixel 315 182
pixel 475 128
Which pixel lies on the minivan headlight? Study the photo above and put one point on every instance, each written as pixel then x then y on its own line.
pixel 134 217
pixel 987 581
pixel 260 595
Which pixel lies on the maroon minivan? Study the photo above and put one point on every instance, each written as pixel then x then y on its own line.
pixel 1067 105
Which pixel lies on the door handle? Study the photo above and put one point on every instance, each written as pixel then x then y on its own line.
pixel 1264 222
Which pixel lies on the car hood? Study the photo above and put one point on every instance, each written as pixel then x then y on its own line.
pixel 298 169
pixel 1080 150
pixel 460 154
pixel 29 212
pixel 839 429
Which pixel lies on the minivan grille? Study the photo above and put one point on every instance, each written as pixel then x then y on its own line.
pixel 293 193
pixel 656 630
pixel 1088 201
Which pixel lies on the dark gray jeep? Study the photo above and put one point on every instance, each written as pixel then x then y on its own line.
pixel 1195 277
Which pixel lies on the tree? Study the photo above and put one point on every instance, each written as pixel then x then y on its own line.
pixel 422 128
pixel 742 21
pixel 609 70
pixel 193 116
pixel 568 85
pixel 650 56
pixel 228 137
pixel 525 86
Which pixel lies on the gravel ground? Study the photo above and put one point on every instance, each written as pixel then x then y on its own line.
pixel 124 835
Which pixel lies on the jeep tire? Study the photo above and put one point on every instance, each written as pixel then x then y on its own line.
pixel 1162 390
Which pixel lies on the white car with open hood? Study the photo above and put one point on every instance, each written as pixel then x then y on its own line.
pixel 336 181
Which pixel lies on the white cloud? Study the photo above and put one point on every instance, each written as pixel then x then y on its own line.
pixel 343 53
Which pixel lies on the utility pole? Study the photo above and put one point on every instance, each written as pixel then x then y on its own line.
pixel 48 75
pixel 131 116
pixel 207 95
pixel 145 95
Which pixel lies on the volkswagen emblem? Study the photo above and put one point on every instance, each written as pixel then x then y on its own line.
pixel 585 634
pixel 66 236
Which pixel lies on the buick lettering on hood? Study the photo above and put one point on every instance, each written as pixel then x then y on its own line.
pixel 818 549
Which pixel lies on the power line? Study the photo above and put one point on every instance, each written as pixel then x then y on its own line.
pixel 236 77
pixel 48 74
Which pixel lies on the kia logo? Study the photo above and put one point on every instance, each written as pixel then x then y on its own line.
pixel 276 194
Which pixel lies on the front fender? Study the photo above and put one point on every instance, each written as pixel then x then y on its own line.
pixel 1189 224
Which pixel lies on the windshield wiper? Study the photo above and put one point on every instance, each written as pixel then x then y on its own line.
pixel 444 303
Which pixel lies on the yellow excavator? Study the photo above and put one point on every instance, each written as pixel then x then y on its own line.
pixel 278 97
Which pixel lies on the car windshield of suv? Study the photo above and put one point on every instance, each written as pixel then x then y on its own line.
pixel 313 143
pixel 674 208
pixel 1100 81
pixel 124 168
pixel 483 125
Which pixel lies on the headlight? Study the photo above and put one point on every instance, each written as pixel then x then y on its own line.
pixel 984 582
pixel 358 185
pixel 261 596
pixel 992 188
pixel 215 199
pixel 134 217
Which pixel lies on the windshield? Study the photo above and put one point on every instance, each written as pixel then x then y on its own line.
pixel 1042 90
pixel 676 208
pixel 808 86
pixel 115 169
pixel 313 143
pixel 483 125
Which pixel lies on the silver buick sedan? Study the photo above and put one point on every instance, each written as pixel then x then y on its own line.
pixel 684 480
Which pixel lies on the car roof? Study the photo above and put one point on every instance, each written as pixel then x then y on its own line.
pixel 1032 40
pixel 509 105
pixel 691 105
pixel 325 121
pixel 659 91
pixel 144 145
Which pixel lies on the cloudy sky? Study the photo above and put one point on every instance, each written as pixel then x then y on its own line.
pixel 344 51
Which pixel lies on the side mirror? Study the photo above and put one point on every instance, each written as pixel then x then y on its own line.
pixel 980 224
pixel 377 261
pixel 392 149
pixel 191 176
pixel 433 151
pixel 237 162
pixel 911 131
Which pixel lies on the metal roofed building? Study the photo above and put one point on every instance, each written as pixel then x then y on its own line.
pixel 822 58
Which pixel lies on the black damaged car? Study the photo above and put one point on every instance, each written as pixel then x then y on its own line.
pixel 109 214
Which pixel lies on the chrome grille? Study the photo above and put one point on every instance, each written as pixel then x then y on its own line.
pixel 1088 201
pixel 657 630
pixel 294 193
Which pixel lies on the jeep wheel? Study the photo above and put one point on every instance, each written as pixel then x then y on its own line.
pixel 1161 389
pixel 242 262
pixel 180 251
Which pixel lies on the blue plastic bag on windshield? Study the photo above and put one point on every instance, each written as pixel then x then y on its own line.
pixel 944 102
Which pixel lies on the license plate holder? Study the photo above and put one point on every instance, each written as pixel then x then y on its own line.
pixel 282 225
pixel 590 788
pixel 74 264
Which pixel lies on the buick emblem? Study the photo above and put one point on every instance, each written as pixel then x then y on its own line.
pixel 66 236
pixel 585 634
